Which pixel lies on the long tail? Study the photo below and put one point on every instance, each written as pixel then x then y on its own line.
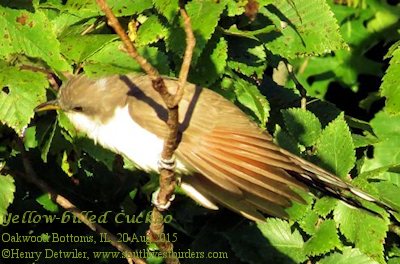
pixel 332 185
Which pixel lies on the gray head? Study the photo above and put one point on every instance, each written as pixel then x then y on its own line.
pixel 95 98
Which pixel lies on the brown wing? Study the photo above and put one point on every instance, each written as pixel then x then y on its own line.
pixel 237 164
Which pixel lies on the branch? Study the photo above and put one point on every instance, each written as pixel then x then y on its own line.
pixel 49 74
pixel 167 176
pixel 31 176
pixel 299 86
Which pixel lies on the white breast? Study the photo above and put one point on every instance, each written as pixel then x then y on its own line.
pixel 124 136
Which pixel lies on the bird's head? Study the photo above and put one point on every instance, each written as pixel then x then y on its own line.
pixel 94 98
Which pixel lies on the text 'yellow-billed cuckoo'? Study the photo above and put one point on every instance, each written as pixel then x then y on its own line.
pixel 224 157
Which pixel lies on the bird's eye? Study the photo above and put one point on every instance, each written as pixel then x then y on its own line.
pixel 78 108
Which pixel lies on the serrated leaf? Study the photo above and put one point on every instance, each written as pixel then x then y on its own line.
pixel 387 150
pixel 365 230
pixel 168 8
pixel 211 64
pixel 247 57
pixel 335 148
pixel 390 87
pixel 248 95
pixel 21 92
pixel 280 235
pixel 388 193
pixel 307 27
pixel 324 240
pixel 298 210
pixel 285 140
pixel 309 222
pixel 47 203
pixel 204 16
pixel 348 256
pixel 88 45
pixel 150 32
pixel 89 8
pixel 236 8
pixel 7 190
pixel 250 246
pixel 302 125
pixel 392 49
pixel 30 34
pixel 325 205
pixel 112 60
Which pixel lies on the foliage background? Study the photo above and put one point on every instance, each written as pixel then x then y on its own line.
pixel 344 53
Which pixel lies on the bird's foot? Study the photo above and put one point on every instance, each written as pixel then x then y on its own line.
pixel 168 164
pixel 157 204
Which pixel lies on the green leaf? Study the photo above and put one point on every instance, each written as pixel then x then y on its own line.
pixel 67 165
pixel 363 141
pixel 89 8
pixel 307 27
pixel 390 87
pixel 309 222
pixel 30 140
pixel 389 193
pixel 150 32
pixel 204 16
pixel 387 150
pixel 211 64
pixel 247 57
pixel 21 92
pixel 88 45
pixel 302 125
pixel 47 203
pixel 325 205
pixel 47 143
pixel 168 8
pixel 383 19
pixel 340 67
pixel 348 256
pixel 335 148
pixel 250 246
pixel 298 210
pixel 280 235
pixel 286 141
pixel 249 96
pixel 97 152
pixel 7 190
pixel 30 34
pixel 365 230
pixel 112 60
pixel 324 240
pixel 236 8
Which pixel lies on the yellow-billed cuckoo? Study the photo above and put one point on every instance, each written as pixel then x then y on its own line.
pixel 224 158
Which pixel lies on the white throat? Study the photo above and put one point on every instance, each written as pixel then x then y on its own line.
pixel 124 136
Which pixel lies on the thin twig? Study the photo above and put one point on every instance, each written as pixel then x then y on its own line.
pixel 299 86
pixel 50 75
pixel 187 59
pixel 31 176
pixel 167 177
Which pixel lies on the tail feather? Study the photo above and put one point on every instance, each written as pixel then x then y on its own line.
pixel 334 186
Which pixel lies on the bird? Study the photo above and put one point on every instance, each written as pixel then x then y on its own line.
pixel 223 157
